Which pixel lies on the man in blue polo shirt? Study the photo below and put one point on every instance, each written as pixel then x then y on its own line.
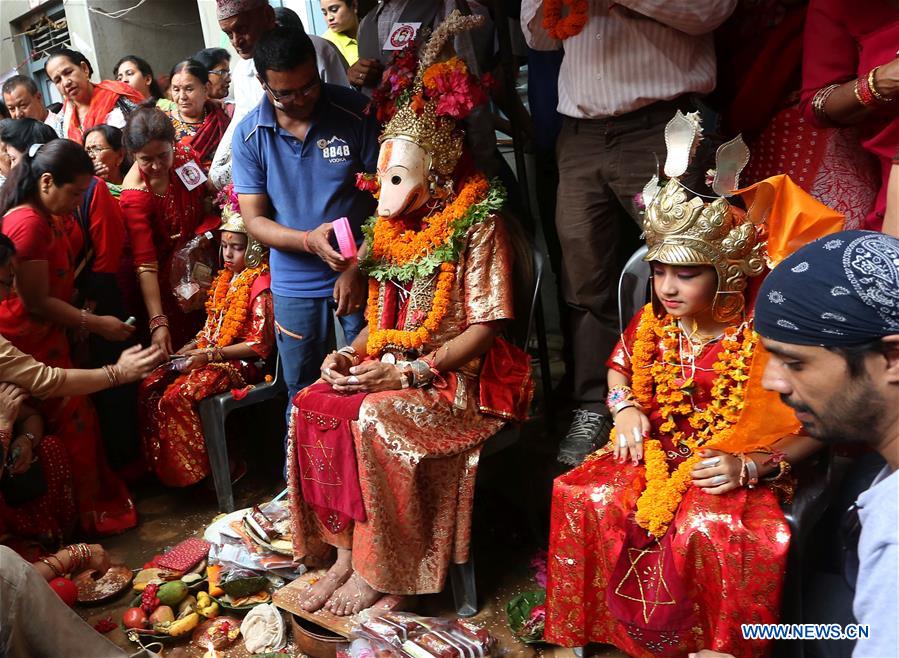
pixel 295 159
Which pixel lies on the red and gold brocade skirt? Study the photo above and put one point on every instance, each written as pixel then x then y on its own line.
pixel 721 564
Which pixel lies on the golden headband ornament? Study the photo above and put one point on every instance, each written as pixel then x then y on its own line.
pixel 681 228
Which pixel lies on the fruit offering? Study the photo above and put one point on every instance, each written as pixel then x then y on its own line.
pixel 172 593
pixel 66 589
pixel 134 618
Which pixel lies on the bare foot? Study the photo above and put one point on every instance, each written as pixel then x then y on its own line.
pixel 354 596
pixel 393 602
pixel 319 593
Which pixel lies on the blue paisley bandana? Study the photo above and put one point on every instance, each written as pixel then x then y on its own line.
pixel 842 289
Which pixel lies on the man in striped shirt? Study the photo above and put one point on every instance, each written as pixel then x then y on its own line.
pixel 623 76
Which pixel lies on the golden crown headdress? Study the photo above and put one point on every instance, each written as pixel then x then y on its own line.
pixel 233 222
pixel 682 229
pixel 423 99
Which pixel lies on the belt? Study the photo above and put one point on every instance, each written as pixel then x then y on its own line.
pixel 652 113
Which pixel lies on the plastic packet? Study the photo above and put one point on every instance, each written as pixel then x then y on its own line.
pixel 192 270
pixel 425 637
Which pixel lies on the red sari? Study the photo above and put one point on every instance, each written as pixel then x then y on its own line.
pixel 107 95
pixel 104 504
pixel 160 224
pixel 172 435
pixel 720 563
pixel 51 517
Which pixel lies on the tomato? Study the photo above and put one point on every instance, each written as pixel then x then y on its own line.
pixel 66 590
pixel 134 618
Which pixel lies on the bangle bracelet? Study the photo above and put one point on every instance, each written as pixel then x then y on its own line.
pixel 819 102
pixel 59 573
pixel 406 376
pixel 752 473
pixel 621 406
pixel 872 85
pixel 158 321
pixel 350 351
pixel 619 395
pixel 83 326
pixel 863 93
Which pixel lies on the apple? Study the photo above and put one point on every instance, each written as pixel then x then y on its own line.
pixel 134 618
pixel 66 590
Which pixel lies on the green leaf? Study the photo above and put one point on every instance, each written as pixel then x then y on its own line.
pixel 518 610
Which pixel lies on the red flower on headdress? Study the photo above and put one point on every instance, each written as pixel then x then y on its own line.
pixel 455 89
pixel 227 198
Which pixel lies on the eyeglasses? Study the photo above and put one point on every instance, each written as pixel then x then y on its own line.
pixel 97 150
pixel 289 97
pixel 225 73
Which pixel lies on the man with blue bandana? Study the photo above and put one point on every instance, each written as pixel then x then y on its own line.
pixel 829 314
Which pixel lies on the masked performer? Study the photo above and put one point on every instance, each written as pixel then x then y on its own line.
pixel 383 451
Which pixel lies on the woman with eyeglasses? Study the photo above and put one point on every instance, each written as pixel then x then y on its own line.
pixel 42 192
pixel 199 122
pixel 103 144
pixel 162 212
pixel 217 62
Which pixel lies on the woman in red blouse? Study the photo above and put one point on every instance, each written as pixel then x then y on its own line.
pixel 850 75
pixel 37 203
pixel 161 214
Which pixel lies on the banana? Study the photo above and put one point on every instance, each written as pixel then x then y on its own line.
pixel 178 627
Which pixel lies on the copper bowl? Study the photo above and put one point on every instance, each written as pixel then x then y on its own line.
pixel 314 640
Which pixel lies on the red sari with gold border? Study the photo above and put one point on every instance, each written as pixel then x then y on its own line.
pixel 719 565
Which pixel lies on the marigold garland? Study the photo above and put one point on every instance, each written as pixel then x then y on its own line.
pixel 228 306
pixel 564 28
pixel 395 243
pixel 398 253
pixel 379 338
pixel 661 375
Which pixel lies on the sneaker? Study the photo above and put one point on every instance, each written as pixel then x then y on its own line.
pixel 588 431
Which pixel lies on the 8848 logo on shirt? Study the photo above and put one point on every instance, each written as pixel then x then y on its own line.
pixel 334 150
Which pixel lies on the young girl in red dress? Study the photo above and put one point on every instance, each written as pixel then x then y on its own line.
pixel 238 332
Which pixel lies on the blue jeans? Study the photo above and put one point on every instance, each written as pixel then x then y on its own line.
pixel 304 330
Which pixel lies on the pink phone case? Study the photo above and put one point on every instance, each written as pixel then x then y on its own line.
pixel 344 235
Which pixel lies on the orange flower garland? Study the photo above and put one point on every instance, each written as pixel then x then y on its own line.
pixel 564 28
pixel 378 338
pixel 228 306
pixel 661 497
pixel 396 244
